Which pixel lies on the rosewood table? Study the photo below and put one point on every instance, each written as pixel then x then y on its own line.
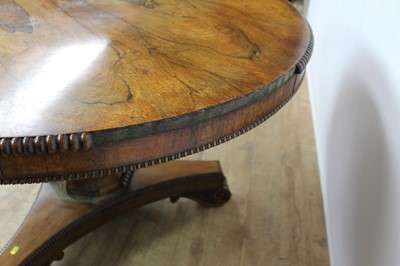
pixel 94 92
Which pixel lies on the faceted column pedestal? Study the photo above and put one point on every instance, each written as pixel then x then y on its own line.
pixel 64 212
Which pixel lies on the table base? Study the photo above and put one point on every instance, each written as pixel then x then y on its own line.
pixel 56 222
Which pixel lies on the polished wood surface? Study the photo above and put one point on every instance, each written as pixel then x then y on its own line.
pixel 79 66
pixel 146 151
pixel 275 216
pixel 80 79
pixel 96 89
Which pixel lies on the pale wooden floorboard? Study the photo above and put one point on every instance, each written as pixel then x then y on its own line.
pixel 275 216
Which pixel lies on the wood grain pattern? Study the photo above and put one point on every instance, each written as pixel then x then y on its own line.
pixel 195 54
pixel 14 17
pixel 275 216
pixel 149 81
pixel 200 137
pixel 149 72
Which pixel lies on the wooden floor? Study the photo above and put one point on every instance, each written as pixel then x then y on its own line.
pixel 275 216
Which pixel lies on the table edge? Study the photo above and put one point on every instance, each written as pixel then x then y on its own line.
pixel 82 141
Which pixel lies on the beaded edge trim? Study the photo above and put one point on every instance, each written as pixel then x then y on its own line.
pixel 84 141
pixel 132 167
pixel 45 144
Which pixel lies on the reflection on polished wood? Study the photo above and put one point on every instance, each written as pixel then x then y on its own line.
pixel 112 63
pixel 274 217
pixel 80 79
pixel 93 91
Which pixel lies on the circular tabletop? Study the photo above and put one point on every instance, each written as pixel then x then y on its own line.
pixel 98 86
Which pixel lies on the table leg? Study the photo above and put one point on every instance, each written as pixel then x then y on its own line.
pixel 55 222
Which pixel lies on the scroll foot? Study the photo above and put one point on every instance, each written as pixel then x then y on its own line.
pixel 215 197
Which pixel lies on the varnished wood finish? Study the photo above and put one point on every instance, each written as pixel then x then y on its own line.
pixel 97 88
pixel 157 148
pixel 80 79
pixel 42 242
pixel 95 189
pixel 274 217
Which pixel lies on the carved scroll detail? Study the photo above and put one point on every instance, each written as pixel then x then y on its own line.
pixel 45 144
pixel 213 197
